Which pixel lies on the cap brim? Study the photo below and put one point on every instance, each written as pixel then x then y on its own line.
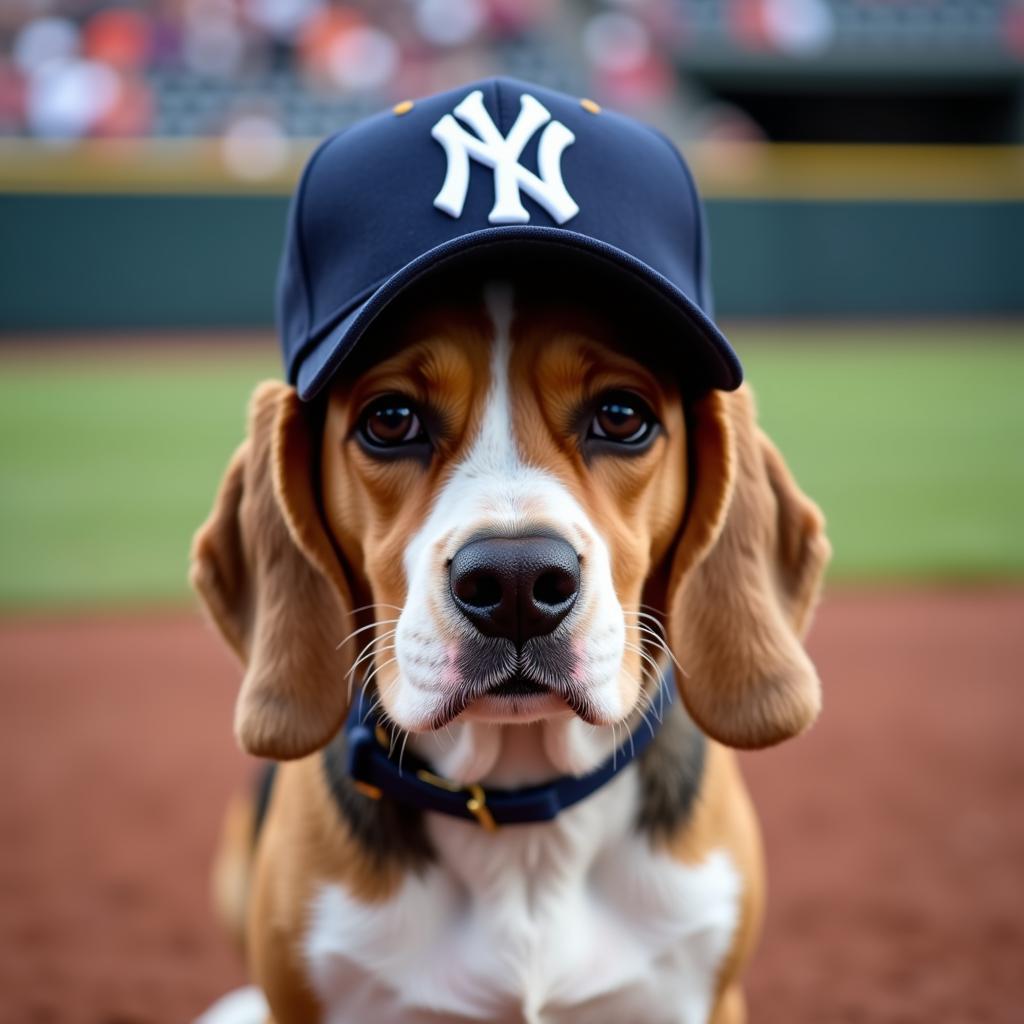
pixel 714 363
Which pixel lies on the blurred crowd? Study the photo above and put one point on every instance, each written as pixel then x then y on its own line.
pixel 74 68
pixel 280 68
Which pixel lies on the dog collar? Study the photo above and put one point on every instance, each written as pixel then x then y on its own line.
pixel 377 775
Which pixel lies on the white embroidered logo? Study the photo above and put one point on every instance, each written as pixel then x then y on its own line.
pixel 501 153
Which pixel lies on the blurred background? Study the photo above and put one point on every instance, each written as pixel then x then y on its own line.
pixel 862 165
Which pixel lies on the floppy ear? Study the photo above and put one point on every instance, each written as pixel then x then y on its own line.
pixel 744 581
pixel 270 578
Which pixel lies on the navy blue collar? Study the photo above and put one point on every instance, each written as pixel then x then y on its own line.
pixel 377 775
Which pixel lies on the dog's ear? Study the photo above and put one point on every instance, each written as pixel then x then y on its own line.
pixel 269 575
pixel 744 580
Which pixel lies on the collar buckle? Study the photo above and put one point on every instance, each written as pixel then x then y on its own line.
pixel 476 804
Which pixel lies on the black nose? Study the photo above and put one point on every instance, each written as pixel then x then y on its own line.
pixel 515 587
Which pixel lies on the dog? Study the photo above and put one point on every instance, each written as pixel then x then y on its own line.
pixel 507 589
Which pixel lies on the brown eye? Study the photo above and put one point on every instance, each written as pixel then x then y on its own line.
pixel 391 422
pixel 623 418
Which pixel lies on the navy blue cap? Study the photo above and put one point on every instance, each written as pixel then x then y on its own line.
pixel 498 166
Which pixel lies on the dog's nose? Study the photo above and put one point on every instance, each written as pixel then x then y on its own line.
pixel 515 587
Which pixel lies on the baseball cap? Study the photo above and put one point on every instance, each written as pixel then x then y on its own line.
pixel 493 169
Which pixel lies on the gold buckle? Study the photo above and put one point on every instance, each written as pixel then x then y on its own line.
pixel 476 804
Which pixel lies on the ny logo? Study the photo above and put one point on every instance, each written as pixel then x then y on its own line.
pixel 501 153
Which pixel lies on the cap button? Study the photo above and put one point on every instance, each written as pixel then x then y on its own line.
pixel 590 106
pixel 402 108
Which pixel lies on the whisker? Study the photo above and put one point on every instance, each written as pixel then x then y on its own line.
pixel 363 629
pixel 367 650
pixel 377 701
pixel 654 615
pixel 665 651
pixel 374 704
pixel 650 630
pixel 362 697
pixel 645 702
pixel 648 705
pixel 367 653
pixel 645 657
pixel 643 706
pixel 646 675
pixel 651 608
pixel 659 711
pixel 391 661
pixel 656 640
pixel 367 607
pixel 651 625
pixel 654 627
pixel 369 677
pixel 646 619
pixel 647 721
pixel 650 616
pixel 653 644
pixel 640 614
pixel 640 647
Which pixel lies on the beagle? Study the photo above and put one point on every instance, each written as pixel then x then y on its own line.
pixel 508 557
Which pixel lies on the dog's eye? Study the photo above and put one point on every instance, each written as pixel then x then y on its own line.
pixel 390 422
pixel 622 418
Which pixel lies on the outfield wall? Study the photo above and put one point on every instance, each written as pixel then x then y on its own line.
pixel 805 235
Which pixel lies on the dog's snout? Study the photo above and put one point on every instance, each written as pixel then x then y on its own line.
pixel 515 587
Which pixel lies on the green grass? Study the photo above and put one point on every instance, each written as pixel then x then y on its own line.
pixel 912 441
pixel 108 464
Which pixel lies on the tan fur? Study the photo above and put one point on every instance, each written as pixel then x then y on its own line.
pixel 708 524
pixel 229 878
pixel 304 844
pixel 731 1007
pixel 265 568
pixel 744 582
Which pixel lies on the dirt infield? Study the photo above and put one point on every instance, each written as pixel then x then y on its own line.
pixel 895 831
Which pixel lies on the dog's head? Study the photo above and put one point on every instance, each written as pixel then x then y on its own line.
pixel 500 519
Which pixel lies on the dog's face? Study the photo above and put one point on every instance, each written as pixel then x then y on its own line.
pixel 494 519
pixel 501 483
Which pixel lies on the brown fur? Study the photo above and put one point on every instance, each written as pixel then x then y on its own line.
pixel 230 876
pixel 744 582
pixel 709 523
pixel 266 570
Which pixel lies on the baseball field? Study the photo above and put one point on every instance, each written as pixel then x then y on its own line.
pixel 893 829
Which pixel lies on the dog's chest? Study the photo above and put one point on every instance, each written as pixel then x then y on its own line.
pixel 578 920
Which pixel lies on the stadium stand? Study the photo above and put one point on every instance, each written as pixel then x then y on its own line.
pixel 857 157
pixel 866 70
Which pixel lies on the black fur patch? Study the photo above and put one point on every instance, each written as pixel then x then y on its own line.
pixel 388 832
pixel 264 787
pixel 671 773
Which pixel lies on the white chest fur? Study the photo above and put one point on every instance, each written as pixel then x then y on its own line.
pixel 576 920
